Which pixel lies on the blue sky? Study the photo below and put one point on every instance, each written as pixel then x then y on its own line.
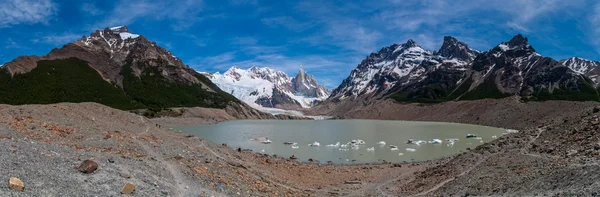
pixel 329 38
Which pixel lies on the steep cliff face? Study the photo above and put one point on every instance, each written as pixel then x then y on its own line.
pixel 306 85
pixel 266 87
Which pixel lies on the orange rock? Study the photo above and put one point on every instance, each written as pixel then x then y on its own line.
pixel 15 184
pixel 128 188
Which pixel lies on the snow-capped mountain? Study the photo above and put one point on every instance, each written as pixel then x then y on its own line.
pixel 407 72
pixel 402 64
pixel 266 87
pixel 586 67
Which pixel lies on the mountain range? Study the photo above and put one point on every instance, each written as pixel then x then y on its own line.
pixel 127 71
pixel 408 73
pixel 270 88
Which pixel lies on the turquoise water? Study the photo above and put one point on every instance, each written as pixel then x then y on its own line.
pixel 247 134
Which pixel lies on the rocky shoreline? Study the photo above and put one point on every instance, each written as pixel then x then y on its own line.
pixel 44 144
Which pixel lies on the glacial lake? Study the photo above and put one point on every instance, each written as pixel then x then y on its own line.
pixel 249 134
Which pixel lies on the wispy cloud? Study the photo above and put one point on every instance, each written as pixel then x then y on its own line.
pixel 593 23
pixel 11 44
pixel 287 22
pixel 91 9
pixel 184 13
pixel 58 39
pixel 13 12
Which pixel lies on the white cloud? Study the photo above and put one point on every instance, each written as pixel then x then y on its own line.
pixel 59 40
pixel 594 26
pixel 13 12
pixel 183 14
pixel 91 9
pixel 11 44
pixel 287 22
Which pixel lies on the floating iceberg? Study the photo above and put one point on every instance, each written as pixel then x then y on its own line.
pixel 393 146
pixel 358 141
pixel 371 149
pixel 493 136
pixel 290 143
pixel 381 143
pixel 295 147
pixel 435 141
pixel 400 154
pixel 315 144
pixel 420 142
pixel 334 145
pixel 411 149
pixel 394 149
pixel 470 136
pixel 267 141
pixel 343 149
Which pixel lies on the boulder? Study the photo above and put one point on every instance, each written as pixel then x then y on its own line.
pixel 128 188
pixel 15 184
pixel 88 166
pixel 293 157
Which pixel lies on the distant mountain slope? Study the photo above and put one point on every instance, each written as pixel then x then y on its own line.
pixel 265 87
pixel 112 67
pixel 407 72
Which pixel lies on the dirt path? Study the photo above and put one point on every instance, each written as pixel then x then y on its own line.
pixel 436 187
pixel 182 185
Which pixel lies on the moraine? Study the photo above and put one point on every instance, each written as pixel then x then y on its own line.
pixel 247 134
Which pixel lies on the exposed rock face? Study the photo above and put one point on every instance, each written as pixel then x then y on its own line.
pixel 406 72
pixel 306 85
pixel 452 48
pixel 266 87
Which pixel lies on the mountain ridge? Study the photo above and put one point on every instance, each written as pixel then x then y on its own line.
pixel 409 73
pixel 267 87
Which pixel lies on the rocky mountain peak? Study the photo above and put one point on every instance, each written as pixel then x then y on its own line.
pixel 410 43
pixel 120 29
pixel 518 40
pixel 452 48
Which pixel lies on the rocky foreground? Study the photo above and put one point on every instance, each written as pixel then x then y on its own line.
pixel 555 153
pixel 43 145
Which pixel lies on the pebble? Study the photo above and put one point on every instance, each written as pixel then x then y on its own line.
pixel 15 184
pixel 88 166
pixel 128 188
pixel 124 174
